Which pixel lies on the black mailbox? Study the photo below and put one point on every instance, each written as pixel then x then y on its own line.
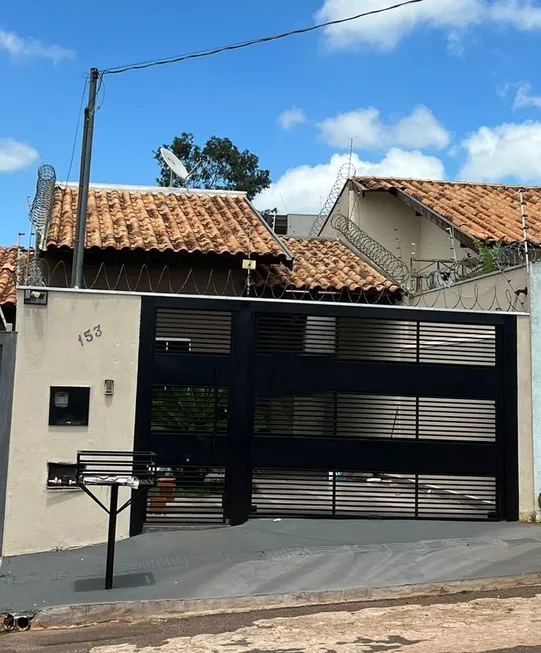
pixel 69 406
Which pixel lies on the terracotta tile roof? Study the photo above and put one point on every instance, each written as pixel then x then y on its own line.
pixel 320 264
pixel 8 265
pixel 480 210
pixel 162 220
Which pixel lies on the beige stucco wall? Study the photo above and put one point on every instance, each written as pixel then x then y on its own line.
pixel 490 292
pixel 48 353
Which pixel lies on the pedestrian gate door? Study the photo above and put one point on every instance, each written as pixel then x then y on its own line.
pixel 260 408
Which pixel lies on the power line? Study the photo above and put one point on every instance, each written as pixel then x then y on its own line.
pixel 77 128
pixel 101 85
pixel 245 44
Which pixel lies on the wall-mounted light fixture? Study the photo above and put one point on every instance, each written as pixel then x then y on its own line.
pixel 36 297
pixel 108 387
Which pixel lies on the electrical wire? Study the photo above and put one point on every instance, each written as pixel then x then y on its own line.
pixel 101 85
pixel 77 128
pixel 245 44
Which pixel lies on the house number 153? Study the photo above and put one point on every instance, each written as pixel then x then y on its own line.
pixel 90 334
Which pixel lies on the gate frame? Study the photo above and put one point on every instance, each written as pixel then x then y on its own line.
pixel 243 357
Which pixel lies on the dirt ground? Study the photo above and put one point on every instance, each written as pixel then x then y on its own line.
pixel 506 622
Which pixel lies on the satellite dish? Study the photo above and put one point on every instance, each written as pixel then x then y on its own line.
pixel 173 163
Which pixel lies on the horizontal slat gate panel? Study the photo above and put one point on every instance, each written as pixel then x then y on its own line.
pixel 346 494
pixel 186 495
pixel 408 402
pixel 191 331
pixel 383 416
pixel 467 496
pixel 383 340
pixel 200 410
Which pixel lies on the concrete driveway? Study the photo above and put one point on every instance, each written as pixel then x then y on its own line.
pixel 267 557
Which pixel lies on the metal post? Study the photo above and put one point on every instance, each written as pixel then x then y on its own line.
pixel 240 423
pixel 524 229
pixel 109 567
pixel 84 180
pixel 333 493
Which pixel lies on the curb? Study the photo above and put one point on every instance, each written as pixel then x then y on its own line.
pixel 99 613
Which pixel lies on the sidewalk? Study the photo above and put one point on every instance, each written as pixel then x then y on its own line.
pixel 265 557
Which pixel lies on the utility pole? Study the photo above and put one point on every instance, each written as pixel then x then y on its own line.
pixel 84 180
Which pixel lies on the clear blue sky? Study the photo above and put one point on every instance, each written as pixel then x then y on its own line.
pixel 446 88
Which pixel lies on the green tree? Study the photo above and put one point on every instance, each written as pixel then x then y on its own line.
pixel 219 164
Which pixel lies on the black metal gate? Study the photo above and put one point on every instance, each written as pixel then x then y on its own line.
pixel 260 408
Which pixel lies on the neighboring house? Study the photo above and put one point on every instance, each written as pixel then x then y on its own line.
pixel 431 234
pixel 152 239
pixel 8 297
pixel 325 267
pixel 291 224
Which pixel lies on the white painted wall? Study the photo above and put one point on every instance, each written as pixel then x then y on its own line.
pixel 526 484
pixel 436 243
pixel 343 206
pixel 397 227
pixel 535 312
pixel 391 223
pixel 490 292
pixel 48 354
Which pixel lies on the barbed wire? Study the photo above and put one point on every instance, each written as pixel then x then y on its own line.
pixel 232 284
pixel 42 204
pixel 201 282
pixel 472 297
pixel 375 252
pixel 345 172
pixel 446 273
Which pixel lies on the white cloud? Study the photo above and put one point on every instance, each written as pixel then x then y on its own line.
pixel 522 14
pixel 508 151
pixel 305 188
pixel 15 155
pixel 291 118
pixel 455 42
pixel 503 89
pixel 363 125
pixel 26 47
pixel 417 130
pixel 524 99
pixel 385 30
pixel 420 129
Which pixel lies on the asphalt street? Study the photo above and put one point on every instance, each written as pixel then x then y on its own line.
pixel 491 622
